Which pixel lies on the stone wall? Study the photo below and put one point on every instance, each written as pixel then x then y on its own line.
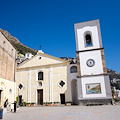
pixel 103 61
pixel 78 65
pixel 7 59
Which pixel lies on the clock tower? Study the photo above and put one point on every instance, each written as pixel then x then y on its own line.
pixel 92 81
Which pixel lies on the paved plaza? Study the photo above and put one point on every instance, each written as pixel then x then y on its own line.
pixel 66 113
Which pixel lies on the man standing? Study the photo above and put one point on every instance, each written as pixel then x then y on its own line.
pixel 14 106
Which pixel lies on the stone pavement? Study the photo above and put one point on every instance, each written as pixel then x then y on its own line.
pixel 66 113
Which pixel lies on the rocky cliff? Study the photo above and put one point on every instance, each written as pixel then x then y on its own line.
pixel 17 44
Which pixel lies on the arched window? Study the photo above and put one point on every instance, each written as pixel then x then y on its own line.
pixel 73 69
pixel 10 91
pixel 88 40
pixel 40 76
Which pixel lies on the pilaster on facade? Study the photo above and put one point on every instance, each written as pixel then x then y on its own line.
pixel 29 86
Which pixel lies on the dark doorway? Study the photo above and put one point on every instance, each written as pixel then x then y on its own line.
pixel 40 97
pixel 74 92
pixel 0 97
pixel 62 98
pixel 20 99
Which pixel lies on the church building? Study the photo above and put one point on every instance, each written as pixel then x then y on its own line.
pixel 44 78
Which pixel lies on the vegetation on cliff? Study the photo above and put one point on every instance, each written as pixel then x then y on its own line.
pixel 17 44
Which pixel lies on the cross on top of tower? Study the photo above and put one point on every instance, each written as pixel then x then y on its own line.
pixel 40 47
pixel 40 51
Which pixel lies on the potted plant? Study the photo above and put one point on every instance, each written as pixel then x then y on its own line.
pixel 32 104
pixel 44 103
pixel 27 104
pixel 68 103
pixel 56 103
pixel 23 103
pixel 50 104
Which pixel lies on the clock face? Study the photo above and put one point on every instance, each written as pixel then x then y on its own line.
pixel 90 63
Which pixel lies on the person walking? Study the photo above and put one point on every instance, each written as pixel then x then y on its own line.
pixel 15 106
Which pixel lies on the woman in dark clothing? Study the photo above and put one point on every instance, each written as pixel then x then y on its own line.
pixel 6 103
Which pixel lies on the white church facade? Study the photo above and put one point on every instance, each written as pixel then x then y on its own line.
pixel 44 78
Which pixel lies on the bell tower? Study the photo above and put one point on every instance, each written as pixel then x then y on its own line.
pixel 93 80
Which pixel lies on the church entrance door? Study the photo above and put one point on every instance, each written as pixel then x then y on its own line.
pixel 20 99
pixel 40 97
pixel 62 98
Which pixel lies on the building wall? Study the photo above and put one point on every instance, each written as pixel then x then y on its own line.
pixel 97 68
pixel 7 59
pixel 8 91
pixel 93 80
pixel 7 70
pixel 95 39
pixel 94 28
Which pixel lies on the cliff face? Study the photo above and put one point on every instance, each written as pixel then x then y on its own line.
pixel 113 74
pixel 9 36
pixel 17 44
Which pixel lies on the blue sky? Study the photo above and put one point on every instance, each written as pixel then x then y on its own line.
pixel 50 23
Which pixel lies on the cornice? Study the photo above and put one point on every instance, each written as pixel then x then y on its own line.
pixel 92 75
pixel 44 55
pixel 43 66
pixel 89 50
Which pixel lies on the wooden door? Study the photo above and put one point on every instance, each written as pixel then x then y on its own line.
pixel 40 97
pixel 62 97
pixel 20 99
